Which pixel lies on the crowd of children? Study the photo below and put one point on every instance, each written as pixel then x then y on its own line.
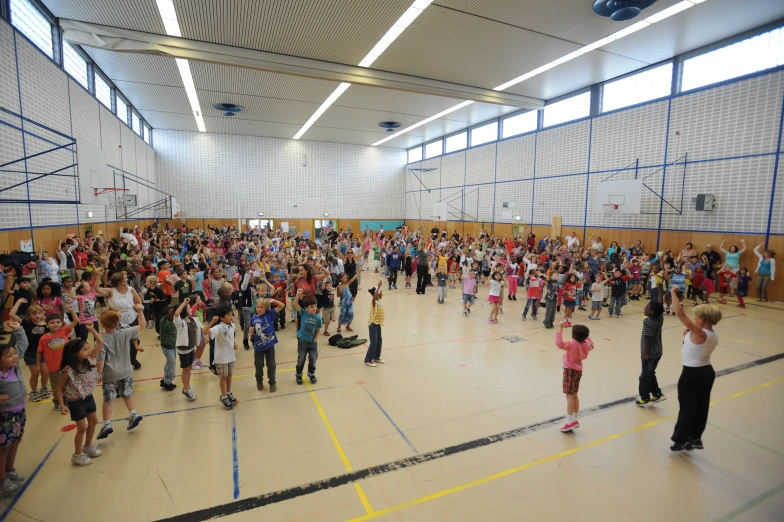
pixel 187 284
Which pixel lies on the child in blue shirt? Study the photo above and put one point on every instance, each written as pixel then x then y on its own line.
pixel 262 331
pixel 309 328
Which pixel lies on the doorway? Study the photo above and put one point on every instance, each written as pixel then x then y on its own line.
pixel 322 227
pixel 261 224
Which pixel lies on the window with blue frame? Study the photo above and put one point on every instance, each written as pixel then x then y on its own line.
pixel 75 64
pixel 484 134
pixel 148 135
pixel 415 155
pixel 434 149
pixel 122 110
pixel 136 123
pixel 457 142
pixel 33 24
pixel 748 56
pixel 638 88
pixel 103 91
pixel 519 124
pixel 569 109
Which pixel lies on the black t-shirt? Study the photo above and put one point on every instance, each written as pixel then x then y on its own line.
pixel 26 295
pixel 33 332
pixel 183 288
pixel 160 299
pixel 713 259
pixel 434 231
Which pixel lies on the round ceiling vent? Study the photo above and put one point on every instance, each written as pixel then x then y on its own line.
pixel 229 109
pixel 390 126
pixel 620 10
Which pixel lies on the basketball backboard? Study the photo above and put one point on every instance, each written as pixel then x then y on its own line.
pixel 626 194
pixel 92 171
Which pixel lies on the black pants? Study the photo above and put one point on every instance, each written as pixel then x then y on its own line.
pixel 648 383
pixel 259 359
pixel 694 389
pixel 421 278
pixel 133 350
pixel 207 318
pixel 392 279
pixel 82 332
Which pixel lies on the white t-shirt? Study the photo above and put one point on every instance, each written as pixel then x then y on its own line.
pixel 572 242
pixel 597 291
pixel 697 355
pixel 224 343
pixel 495 287
pixel 130 239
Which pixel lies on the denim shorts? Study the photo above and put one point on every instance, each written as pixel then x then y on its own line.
pixel 81 408
pixel 468 298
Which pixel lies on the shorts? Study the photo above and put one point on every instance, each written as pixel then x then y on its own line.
pixel 12 427
pixel 679 295
pixel 570 304
pixel 225 369
pixel 122 388
pixel 453 277
pixel 596 306
pixel 571 381
pixel 486 273
pixel 494 298
pixel 29 359
pixel 468 298
pixel 328 315
pixel 81 408
pixel 186 359
pixel 636 281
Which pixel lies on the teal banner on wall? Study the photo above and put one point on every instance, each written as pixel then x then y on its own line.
pixel 375 225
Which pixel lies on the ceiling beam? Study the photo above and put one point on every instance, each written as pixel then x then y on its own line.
pixel 129 41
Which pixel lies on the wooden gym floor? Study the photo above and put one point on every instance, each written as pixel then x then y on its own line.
pixel 458 425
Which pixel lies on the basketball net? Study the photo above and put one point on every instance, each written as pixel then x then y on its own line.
pixel 609 209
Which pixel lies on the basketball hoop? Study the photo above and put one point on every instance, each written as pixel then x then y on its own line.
pixel 609 209
pixel 114 197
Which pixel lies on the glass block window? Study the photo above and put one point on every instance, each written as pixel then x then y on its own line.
pixel 647 85
pixel 136 123
pixel 415 155
pixel 148 135
pixel 484 134
pixel 519 124
pixel 74 64
pixel 457 142
pixel 569 109
pixel 434 149
pixel 757 53
pixel 103 91
pixel 122 110
pixel 33 24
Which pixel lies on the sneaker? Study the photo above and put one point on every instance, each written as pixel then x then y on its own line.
pixel 394 286
pixel 34 397
pixel 642 402
pixel 16 477
pixel 534 318
pixel 232 398
pixel 134 421
pixel 523 317
pixel 575 425
pixel 597 318
pixel 81 460
pixel 379 361
pixel 137 365
pixel 581 308
pixel 213 369
pixel 658 398
pixel 259 386
pixel 45 393
pixel 163 385
pixel 502 310
pixel 106 430
pixel 150 326
pixel 273 388
pixel 695 443
pixel 681 447
pixel 226 402
pixel 465 313
pixel 591 318
pixel 469 310
pixel 8 487
pixel 370 363
pixel 245 344
pixel 313 379
pixel 57 407
pixel 90 451
pixel 567 427
pixel 189 394
pixel 299 379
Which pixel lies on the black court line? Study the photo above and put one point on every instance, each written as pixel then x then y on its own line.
pixel 247 504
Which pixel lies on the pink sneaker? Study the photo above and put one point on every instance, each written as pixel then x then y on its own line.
pixel 568 426
pixel 575 425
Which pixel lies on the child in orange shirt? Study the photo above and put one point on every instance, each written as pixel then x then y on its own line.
pixel 50 347
pixel 164 275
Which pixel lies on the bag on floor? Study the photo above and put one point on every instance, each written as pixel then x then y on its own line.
pixel 345 342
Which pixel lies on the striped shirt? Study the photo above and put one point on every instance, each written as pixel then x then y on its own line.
pixel 376 314
pixel 652 333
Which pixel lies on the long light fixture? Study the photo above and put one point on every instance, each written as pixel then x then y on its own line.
pixel 661 15
pixel 172 26
pixel 391 35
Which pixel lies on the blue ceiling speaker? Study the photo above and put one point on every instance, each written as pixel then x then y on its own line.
pixel 620 10
pixel 390 126
pixel 228 109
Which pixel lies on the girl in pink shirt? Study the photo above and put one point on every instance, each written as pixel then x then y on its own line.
pixel 575 350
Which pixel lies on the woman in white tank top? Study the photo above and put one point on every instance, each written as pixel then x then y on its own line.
pixel 697 376
pixel 122 298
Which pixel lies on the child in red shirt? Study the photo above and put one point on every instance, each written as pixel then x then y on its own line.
pixel 50 347
pixel 725 281
pixel 696 284
pixel 534 284
pixel 163 276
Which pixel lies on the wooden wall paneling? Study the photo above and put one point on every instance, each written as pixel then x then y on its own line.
pixel 776 287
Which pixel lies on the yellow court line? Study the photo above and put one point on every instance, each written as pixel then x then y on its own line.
pixel 511 471
pixel 362 497
pixel 749 342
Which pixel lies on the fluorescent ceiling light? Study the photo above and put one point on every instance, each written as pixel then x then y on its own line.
pixel 324 106
pixel 172 26
pixel 685 4
pixel 666 13
pixel 390 36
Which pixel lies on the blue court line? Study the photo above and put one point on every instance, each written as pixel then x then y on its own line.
pixel 216 405
pixel 235 455
pixel 10 506
pixel 392 422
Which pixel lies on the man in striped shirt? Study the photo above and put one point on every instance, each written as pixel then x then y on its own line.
pixel 651 353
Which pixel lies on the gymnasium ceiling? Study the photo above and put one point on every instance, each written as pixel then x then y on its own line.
pixel 480 43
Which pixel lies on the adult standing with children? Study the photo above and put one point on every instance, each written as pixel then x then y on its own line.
pixel 766 271
pixel 422 252
pixel 696 380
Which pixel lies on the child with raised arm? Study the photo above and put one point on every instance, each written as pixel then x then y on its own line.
pixel 50 348
pixel 189 336
pixel 651 353
pixel 575 351
pixel 223 334
pixel 78 379
pixel 375 322
pixel 262 331
pixel 307 335
pixel 114 367
pixel 13 416
pixel 34 326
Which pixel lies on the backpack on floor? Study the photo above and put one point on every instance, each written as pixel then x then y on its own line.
pixel 345 342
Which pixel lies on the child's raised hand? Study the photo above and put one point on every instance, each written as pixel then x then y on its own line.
pixel 674 289
pixel 138 307
pixel 21 300
pixel 187 300
pixel 90 327
pixel 14 325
